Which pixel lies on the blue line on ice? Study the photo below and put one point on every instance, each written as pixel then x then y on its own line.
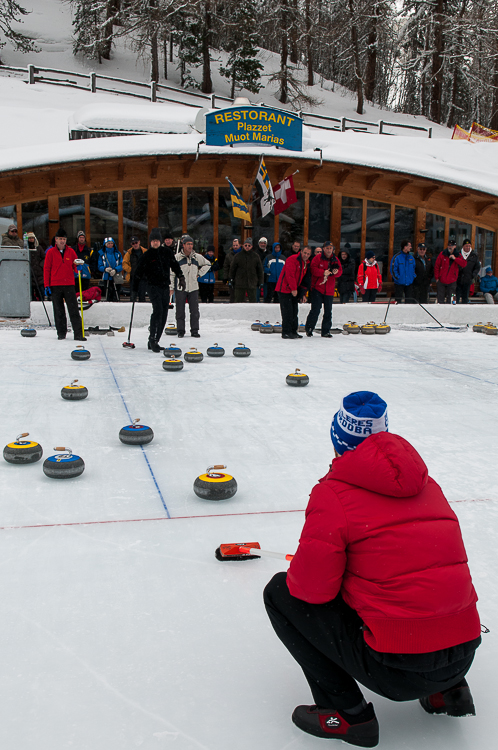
pixel 131 420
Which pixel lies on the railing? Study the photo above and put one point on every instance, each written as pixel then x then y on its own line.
pixel 35 75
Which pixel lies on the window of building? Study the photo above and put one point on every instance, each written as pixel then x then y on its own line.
pixel 103 218
pixel 72 216
pixel 377 234
pixel 134 217
pixel 434 236
pixel 200 217
pixel 170 212
pixel 8 215
pixel 35 219
pixel 351 226
pixel 291 223
pixel 485 242
pixel 319 219
pixel 460 231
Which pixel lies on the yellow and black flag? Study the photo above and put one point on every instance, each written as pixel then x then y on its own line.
pixel 239 208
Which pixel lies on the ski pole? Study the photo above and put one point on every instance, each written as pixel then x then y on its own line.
pixel 40 294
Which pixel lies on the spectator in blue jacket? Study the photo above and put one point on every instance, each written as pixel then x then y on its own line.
pixel 403 272
pixel 489 286
pixel 273 266
pixel 206 282
pixel 110 263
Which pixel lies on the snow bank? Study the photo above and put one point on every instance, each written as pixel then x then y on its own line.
pixel 148 117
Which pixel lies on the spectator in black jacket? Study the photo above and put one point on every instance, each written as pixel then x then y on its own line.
pixel 345 283
pixel 155 268
pixel 424 273
pixel 468 274
pixel 131 260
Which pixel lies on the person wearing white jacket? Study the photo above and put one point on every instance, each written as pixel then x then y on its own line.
pixel 193 265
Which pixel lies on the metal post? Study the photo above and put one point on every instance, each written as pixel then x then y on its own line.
pixel 93 82
pixel 430 133
pixel 381 126
pixel 31 73
pixel 153 91
pixel 343 124
pixel 213 101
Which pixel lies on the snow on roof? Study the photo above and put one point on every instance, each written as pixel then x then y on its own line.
pixel 463 164
pixel 148 117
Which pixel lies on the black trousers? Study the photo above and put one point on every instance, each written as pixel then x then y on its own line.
pixel 344 297
pixel 421 293
pixel 462 293
pixel 271 294
pixel 317 300
pixel 445 292
pixel 369 295
pixel 67 294
pixel 289 311
pixel 405 290
pixel 140 294
pixel 160 301
pixel 327 642
pixel 206 292
pixel 111 291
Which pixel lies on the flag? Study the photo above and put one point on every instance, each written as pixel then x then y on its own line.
pixel 264 186
pixel 459 134
pixel 481 134
pixel 239 208
pixel 285 195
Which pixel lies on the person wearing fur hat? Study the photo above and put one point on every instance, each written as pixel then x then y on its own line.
pixel 379 591
pixel 155 268
pixel 193 265
pixel 58 277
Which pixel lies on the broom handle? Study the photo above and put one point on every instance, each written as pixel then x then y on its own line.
pixel 266 553
pixel 81 305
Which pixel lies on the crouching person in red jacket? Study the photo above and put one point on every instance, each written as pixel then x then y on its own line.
pixel 379 591
pixel 58 276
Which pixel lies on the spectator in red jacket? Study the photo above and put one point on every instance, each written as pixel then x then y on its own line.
pixel 325 270
pixel 448 264
pixel 379 591
pixel 58 275
pixel 369 280
pixel 288 288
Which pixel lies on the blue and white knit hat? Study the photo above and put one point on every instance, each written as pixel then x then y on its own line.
pixel 361 414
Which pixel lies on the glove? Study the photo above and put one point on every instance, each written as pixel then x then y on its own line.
pixel 182 284
pixel 112 271
pixel 380 287
pixel 108 270
pixel 48 291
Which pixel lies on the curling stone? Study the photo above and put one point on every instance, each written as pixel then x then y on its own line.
pixel 345 326
pixel 22 451
pixel 171 330
pixel 172 351
pixel 368 328
pixel 74 392
pixel 382 328
pixel 354 328
pixel 277 328
pixel 241 351
pixel 266 327
pixel 172 364
pixel 136 434
pixel 215 351
pixel 301 328
pixel 65 465
pixel 80 353
pixel 193 356
pixel 28 332
pixel 478 327
pixel 256 326
pixel 490 329
pixel 215 486
pixel 297 378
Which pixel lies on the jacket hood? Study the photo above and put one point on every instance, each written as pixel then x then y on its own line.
pixel 383 463
pixel 274 248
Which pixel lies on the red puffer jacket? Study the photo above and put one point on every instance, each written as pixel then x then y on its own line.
pixel 446 270
pixel 379 531
pixel 58 270
pixel 319 265
pixel 292 274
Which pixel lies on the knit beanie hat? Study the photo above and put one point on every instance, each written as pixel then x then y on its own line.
pixel 369 254
pixel 80 234
pixel 187 238
pixel 361 414
pixel 155 234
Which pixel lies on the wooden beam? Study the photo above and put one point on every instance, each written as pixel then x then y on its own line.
pixel 19 219
pixel 429 191
pixel 216 208
pixel 51 179
pixel 53 214
pixel 153 169
pixel 281 169
pixel 335 219
pixel 220 166
pixel 482 207
pixel 187 167
pixel 251 168
pixel 306 224
pixel 390 249
pixel 184 210
pixel 342 176
pixel 420 223
pixel 17 184
pixel 121 171
pixel 401 185
pixel 120 223
pixel 372 179
pixel 363 229
pixel 456 199
pixel 152 209
pixel 88 229
pixel 86 175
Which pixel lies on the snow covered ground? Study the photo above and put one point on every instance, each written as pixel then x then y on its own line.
pixel 119 629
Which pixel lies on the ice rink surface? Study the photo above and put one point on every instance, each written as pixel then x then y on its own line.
pixel 118 627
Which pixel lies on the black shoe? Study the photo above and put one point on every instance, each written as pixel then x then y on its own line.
pixel 309 334
pixel 326 335
pixel 330 724
pixel 288 336
pixel 79 338
pixel 296 336
pixel 148 345
pixel 180 335
pixel 155 346
pixel 61 337
pixel 196 335
pixel 457 701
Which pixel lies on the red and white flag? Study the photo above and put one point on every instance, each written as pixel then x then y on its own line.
pixel 285 195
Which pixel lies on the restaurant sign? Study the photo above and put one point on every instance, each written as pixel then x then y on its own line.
pixel 254 126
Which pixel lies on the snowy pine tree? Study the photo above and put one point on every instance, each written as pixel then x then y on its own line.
pixel 242 68
pixel 11 12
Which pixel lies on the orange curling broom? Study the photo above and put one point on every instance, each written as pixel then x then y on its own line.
pixel 244 551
